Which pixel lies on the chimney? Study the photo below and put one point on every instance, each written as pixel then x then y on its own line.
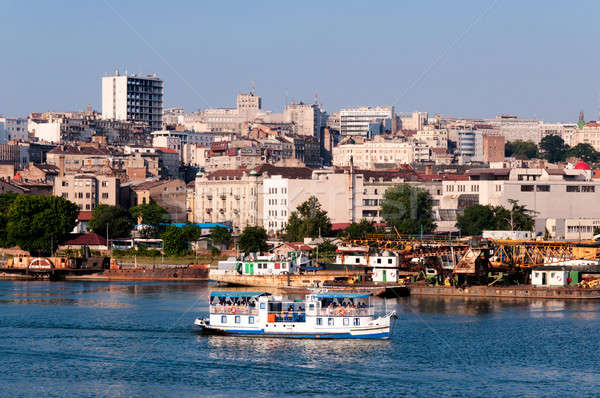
pixel 61 166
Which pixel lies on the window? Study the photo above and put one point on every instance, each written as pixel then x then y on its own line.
pixel 346 321
pixel 356 322
pixel 311 307
pixel 378 261
pixel 389 260
pixel 87 195
pixel 223 318
pixel 104 195
pixel 319 321
pixel 329 321
pixel 238 319
pixel 251 320
pixel 526 188
pixel 572 188
pixel 357 260
pixel 262 306
pixel 543 188
pixel 585 188
pixel 65 195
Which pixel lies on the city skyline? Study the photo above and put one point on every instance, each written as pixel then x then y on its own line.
pixel 465 60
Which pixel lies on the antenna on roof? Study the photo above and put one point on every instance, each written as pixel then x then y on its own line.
pixel 316 100
pixel 252 87
pixel 286 97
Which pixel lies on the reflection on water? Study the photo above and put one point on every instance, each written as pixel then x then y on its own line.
pixel 135 339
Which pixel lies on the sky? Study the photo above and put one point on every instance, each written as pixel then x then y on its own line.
pixel 456 58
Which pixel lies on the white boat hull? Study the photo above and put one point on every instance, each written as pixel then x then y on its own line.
pixel 376 329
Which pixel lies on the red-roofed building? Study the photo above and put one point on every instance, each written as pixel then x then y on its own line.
pixel 90 239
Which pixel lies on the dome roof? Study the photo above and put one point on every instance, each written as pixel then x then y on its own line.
pixel 582 166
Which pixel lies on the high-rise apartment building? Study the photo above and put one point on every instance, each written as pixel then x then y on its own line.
pixel 308 119
pixel 359 121
pixel 248 102
pixel 134 98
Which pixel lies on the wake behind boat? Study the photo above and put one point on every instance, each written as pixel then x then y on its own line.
pixel 323 315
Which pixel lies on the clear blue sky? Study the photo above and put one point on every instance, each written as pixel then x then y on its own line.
pixel 457 58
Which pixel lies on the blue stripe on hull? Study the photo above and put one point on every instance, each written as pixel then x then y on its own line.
pixel 262 333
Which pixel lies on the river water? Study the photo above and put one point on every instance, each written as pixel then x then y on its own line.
pixel 66 339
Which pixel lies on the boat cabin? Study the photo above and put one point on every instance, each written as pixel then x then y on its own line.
pixel 384 264
pixel 258 311
pixel 549 277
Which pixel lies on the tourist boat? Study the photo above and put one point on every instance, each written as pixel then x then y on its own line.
pixel 323 315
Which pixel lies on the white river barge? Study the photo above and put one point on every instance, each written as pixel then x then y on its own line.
pixel 324 315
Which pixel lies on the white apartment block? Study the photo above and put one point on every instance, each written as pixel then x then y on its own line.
pixel 248 103
pixel 134 98
pixel 435 138
pixel 551 193
pixel 369 154
pixel 357 121
pixel 195 155
pixel 308 119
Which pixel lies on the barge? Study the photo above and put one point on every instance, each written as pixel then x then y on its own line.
pixel 520 291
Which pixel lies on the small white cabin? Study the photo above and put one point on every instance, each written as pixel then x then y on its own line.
pixel 549 277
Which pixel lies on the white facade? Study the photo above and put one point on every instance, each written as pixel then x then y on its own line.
pixel 355 121
pixel 134 98
pixel 370 153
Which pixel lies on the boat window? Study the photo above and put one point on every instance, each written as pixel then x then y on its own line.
pixel 389 260
pixel 346 321
pixel 330 321
pixel 311 307
pixel 378 261
pixel 238 319
pixel 251 320
pixel 357 260
pixel 319 321
pixel 552 275
pixel 356 322
pixel 224 319
pixel 263 306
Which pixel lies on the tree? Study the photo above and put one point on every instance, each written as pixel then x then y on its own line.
pixel 220 236
pixel 38 223
pixel 174 241
pixel 253 240
pixel 521 149
pixel 360 229
pixel 408 209
pixel 308 220
pixel 585 152
pixel 6 199
pixel 553 148
pixel 151 215
pixel 119 221
pixel 476 218
pixel 481 217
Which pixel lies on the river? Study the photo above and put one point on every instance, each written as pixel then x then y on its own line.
pixel 122 339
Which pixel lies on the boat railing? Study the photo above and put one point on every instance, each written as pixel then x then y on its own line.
pixel 233 310
pixel 286 316
pixel 345 311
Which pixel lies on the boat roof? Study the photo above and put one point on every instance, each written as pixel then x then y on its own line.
pixel 343 295
pixel 236 294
